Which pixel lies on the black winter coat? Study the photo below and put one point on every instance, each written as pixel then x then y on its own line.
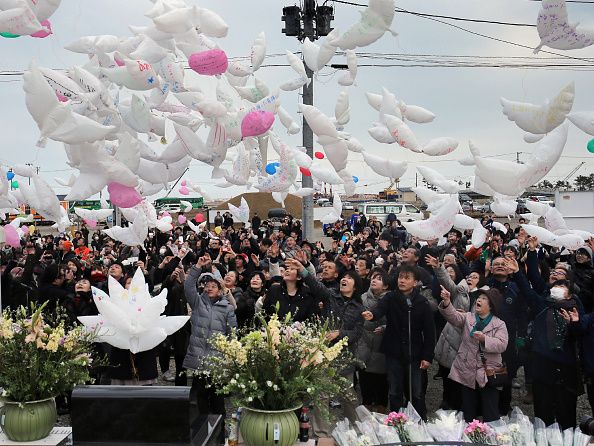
pixel 246 307
pixel 396 341
pixel 301 306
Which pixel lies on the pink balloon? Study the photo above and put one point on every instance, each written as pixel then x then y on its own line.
pixel 119 62
pixel 184 183
pixel 61 97
pixel 91 223
pixel 25 229
pixel 210 62
pixel 44 32
pixel 181 219
pixel 256 123
pixel 199 218
pixel 184 190
pixel 165 214
pixel 123 196
pixel 12 236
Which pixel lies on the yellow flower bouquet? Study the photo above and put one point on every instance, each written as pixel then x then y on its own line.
pixel 39 361
pixel 283 364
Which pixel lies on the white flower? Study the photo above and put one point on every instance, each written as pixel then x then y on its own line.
pixel 250 399
pixel 269 383
pixel 309 389
pixel 233 381
pixel 237 375
pixel 242 386
pixel 275 387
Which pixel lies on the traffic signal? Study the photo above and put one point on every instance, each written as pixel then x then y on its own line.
pixel 292 18
pixel 324 17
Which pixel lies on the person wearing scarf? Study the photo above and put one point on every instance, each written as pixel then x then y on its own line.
pixel 482 331
pixel 556 377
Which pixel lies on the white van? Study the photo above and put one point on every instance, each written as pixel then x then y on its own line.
pixel 403 211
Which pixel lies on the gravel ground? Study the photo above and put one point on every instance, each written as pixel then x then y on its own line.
pixel 433 399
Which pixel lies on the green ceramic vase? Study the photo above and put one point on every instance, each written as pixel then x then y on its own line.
pixel 28 421
pixel 269 427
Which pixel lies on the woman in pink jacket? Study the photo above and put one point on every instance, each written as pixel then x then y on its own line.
pixel 482 332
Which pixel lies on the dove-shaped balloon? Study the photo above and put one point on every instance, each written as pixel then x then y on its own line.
pixel 436 179
pixel 349 77
pixel 556 32
pixel 540 119
pixel 56 120
pixel 375 20
pixel 438 224
pixel 389 168
pixel 335 214
pixel 241 213
pixel 297 65
pixel 130 319
pixel 133 235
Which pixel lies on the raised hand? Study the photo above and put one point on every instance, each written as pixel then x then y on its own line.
pixel 431 261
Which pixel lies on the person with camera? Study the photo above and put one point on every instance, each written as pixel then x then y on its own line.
pixel 478 365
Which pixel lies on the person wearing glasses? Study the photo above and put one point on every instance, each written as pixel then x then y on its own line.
pixel 583 275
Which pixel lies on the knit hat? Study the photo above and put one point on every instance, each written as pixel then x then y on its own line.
pixel 585 249
pixel 495 299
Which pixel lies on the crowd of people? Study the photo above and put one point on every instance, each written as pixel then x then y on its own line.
pixel 478 313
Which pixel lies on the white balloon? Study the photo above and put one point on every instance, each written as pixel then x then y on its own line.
pixel 310 54
pixel 241 213
pixel 302 159
pixel 348 78
pixel 540 119
pixel 255 93
pixel 381 134
pixel 211 24
pixel 325 174
pixel 96 215
pixel 135 75
pixel 327 49
pixel 55 120
pixel 375 20
pixel 437 225
pixel 557 32
pixel 583 120
pixel 440 146
pixel 402 133
pixel 503 207
pixel 259 51
pixel 436 179
pixel 385 167
pixel 319 123
pixel 416 114
pixel 131 319
pixel 303 192
pixel 94 44
pixel 479 236
pixel 530 138
pixel 342 109
pixel 287 121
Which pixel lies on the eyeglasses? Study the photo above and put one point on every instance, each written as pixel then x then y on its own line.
pixel 558 273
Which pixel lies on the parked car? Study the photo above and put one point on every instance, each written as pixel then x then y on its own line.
pixel 542 199
pixel 465 199
pixel 347 205
pixel 485 207
pixel 467 207
pixel 320 201
pixel 403 211
pixel 327 204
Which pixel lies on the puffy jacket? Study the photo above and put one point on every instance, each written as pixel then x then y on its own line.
pixel 347 312
pixel 451 336
pixel 395 343
pixel 368 349
pixel 208 318
pixel 467 368
pixel 583 278
pixel 585 327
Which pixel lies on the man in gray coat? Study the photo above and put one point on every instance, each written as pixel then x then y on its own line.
pixel 211 314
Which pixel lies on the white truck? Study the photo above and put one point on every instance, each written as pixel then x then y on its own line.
pixel 577 207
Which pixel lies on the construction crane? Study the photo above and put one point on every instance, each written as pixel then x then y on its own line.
pixel 389 193
pixel 574 171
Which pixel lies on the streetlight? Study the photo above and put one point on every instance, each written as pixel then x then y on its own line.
pixel 309 22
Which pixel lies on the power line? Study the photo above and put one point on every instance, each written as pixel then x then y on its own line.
pixel 486 36
pixel 461 19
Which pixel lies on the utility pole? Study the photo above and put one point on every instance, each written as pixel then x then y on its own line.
pixel 309 22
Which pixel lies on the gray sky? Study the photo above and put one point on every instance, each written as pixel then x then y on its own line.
pixel 465 100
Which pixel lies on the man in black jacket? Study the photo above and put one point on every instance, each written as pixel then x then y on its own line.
pixel 409 340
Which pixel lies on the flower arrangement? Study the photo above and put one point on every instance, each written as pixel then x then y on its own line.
pixel 477 432
pixel 39 361
pixel 279 366
pixel 398 421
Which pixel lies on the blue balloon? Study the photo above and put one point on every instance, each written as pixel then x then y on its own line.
pixel 355 179
pixel 271 168
pixel 9 175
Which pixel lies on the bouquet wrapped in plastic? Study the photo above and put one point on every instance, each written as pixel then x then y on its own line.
pixel 447 426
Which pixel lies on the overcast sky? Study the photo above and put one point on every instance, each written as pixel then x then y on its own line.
pixel 465 100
